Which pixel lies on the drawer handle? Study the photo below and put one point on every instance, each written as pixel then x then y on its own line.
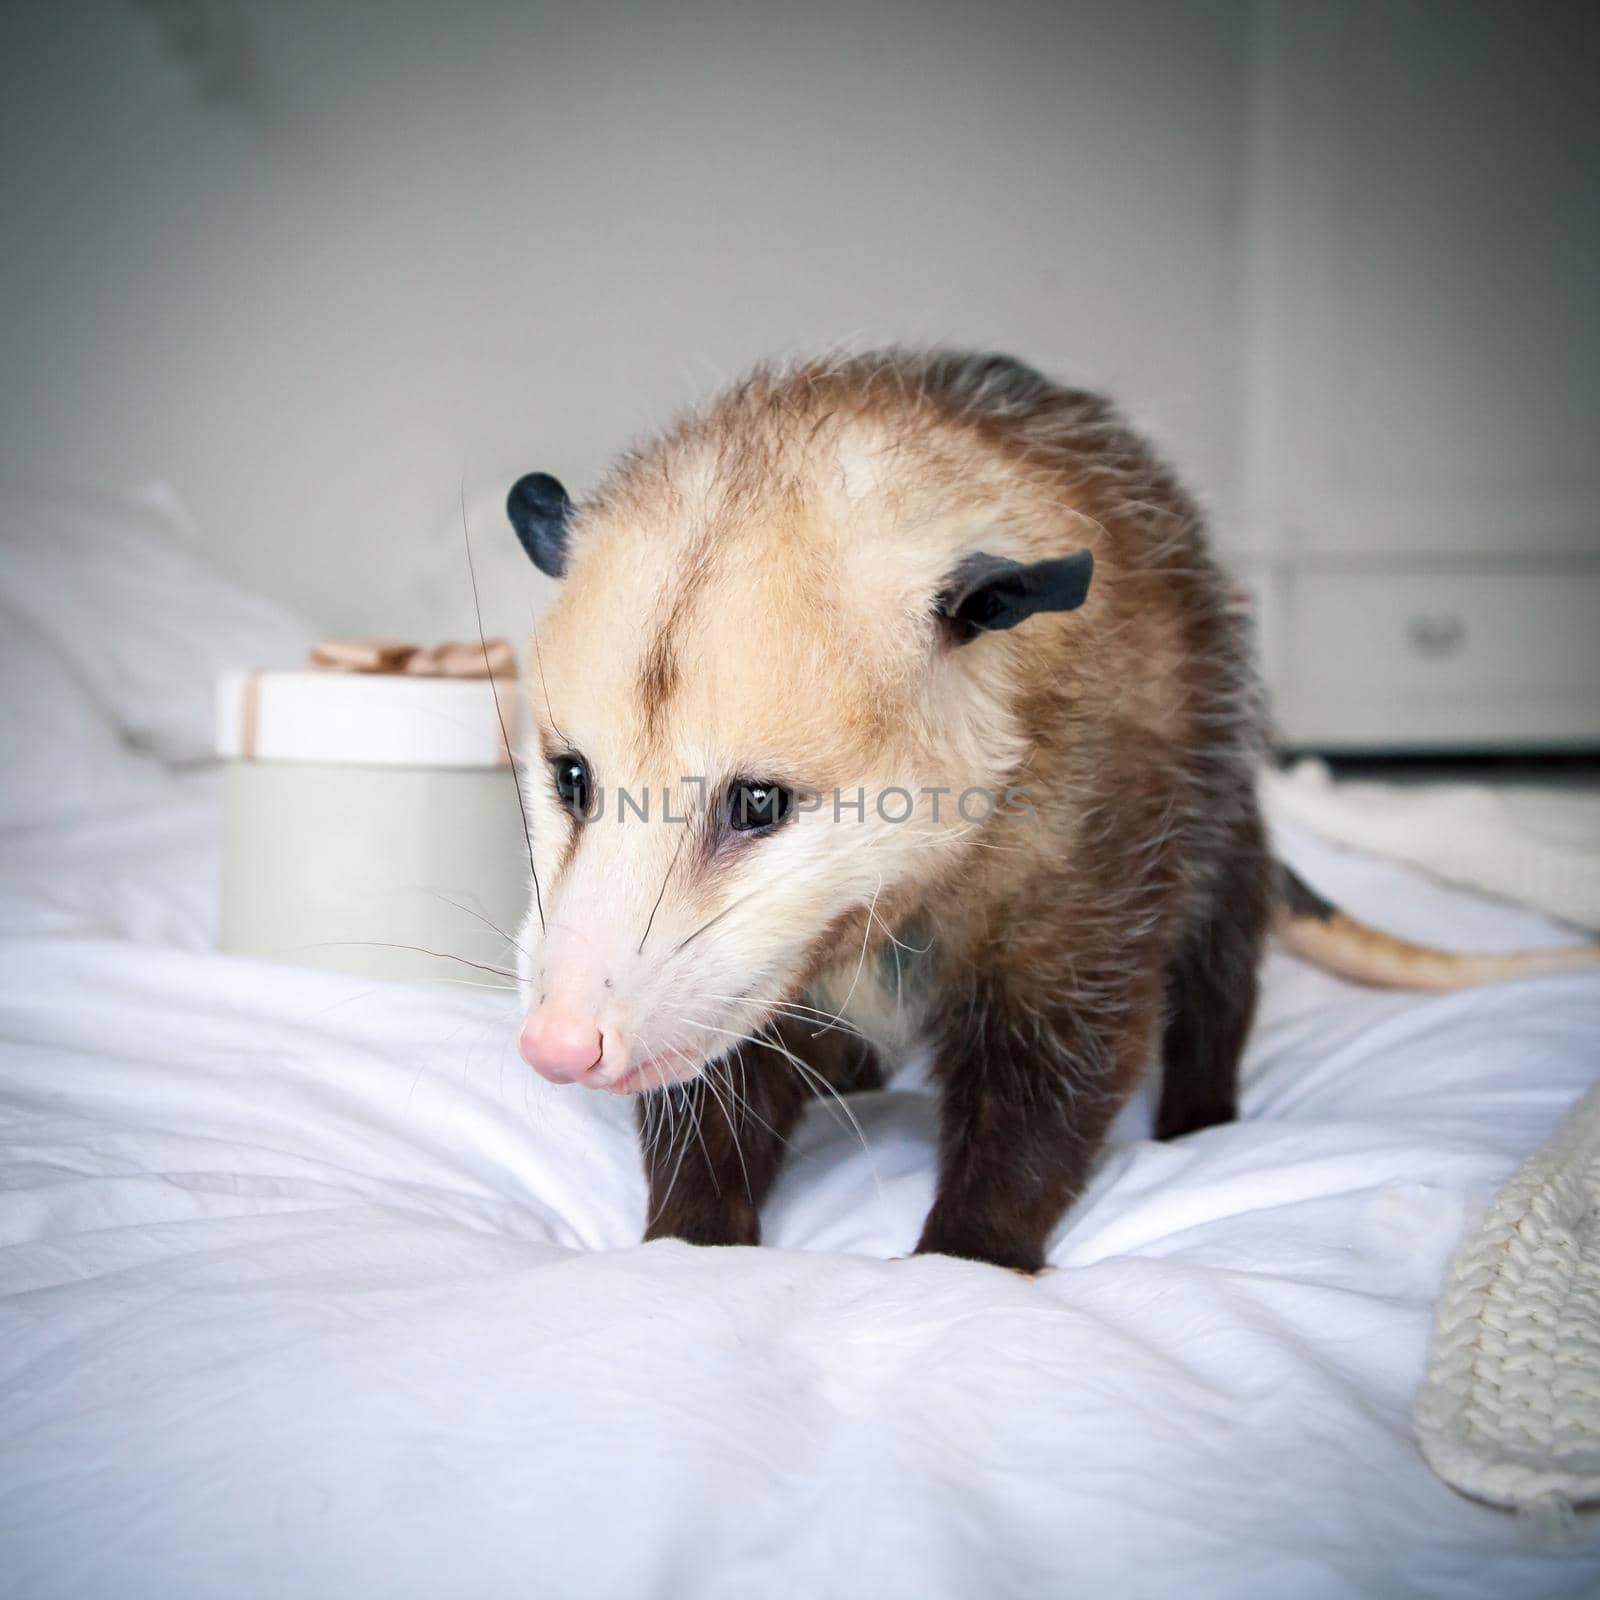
pixel 1438 635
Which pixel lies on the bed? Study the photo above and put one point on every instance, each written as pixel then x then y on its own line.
pixel 306 1285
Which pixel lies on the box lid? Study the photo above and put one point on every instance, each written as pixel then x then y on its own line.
pixel 366 718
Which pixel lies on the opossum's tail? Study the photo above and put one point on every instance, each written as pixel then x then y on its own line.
pixel 1319 931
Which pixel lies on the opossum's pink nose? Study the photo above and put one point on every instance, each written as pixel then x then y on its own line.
pixel 560 1049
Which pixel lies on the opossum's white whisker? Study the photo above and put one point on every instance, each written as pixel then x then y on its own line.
pixel 494 689
pixel 388 944
pixel 680 1125
pixel 709 1073
pixel 695 1106
pixel 749 1107
pixel 791 1008
pixel 810 1073
pixel 806 1070
pixel 544 688
pixel 665 879
pixel 866 934
pixel 910 949
pixel 471 912
pixel 734 906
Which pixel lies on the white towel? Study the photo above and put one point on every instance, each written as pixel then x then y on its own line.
pixel 1535 846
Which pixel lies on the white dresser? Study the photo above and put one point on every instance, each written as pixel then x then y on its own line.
pixel 1422 533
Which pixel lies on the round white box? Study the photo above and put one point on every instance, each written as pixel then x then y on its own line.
pixel 372 824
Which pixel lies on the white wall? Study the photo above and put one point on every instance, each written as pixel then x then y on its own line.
pixel 410 243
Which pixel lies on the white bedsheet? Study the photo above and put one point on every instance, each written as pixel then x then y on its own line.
pixel 306 1287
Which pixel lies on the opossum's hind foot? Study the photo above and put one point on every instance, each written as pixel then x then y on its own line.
pixel 1211 999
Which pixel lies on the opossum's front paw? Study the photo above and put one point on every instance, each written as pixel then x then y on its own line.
pixel 719 1221
pixel 1033 1274
pixel 994 1247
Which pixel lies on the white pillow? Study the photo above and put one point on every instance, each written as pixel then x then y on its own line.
pixel 118 587
pixel 61 756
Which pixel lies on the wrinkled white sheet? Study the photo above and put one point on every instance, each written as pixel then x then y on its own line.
pixel 307 1288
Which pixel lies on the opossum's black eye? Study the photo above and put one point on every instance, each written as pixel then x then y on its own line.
pixel 574 785
pixel 754 806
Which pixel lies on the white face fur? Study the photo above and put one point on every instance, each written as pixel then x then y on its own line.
pixel 781 637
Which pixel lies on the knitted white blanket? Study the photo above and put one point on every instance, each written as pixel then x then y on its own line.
pixel 1509 1411
pixel 1533 845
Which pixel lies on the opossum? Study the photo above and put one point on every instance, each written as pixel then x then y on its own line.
pixel 888 699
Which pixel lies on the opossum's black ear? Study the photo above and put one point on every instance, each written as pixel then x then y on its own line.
pixel 539 510
pixel 988 593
